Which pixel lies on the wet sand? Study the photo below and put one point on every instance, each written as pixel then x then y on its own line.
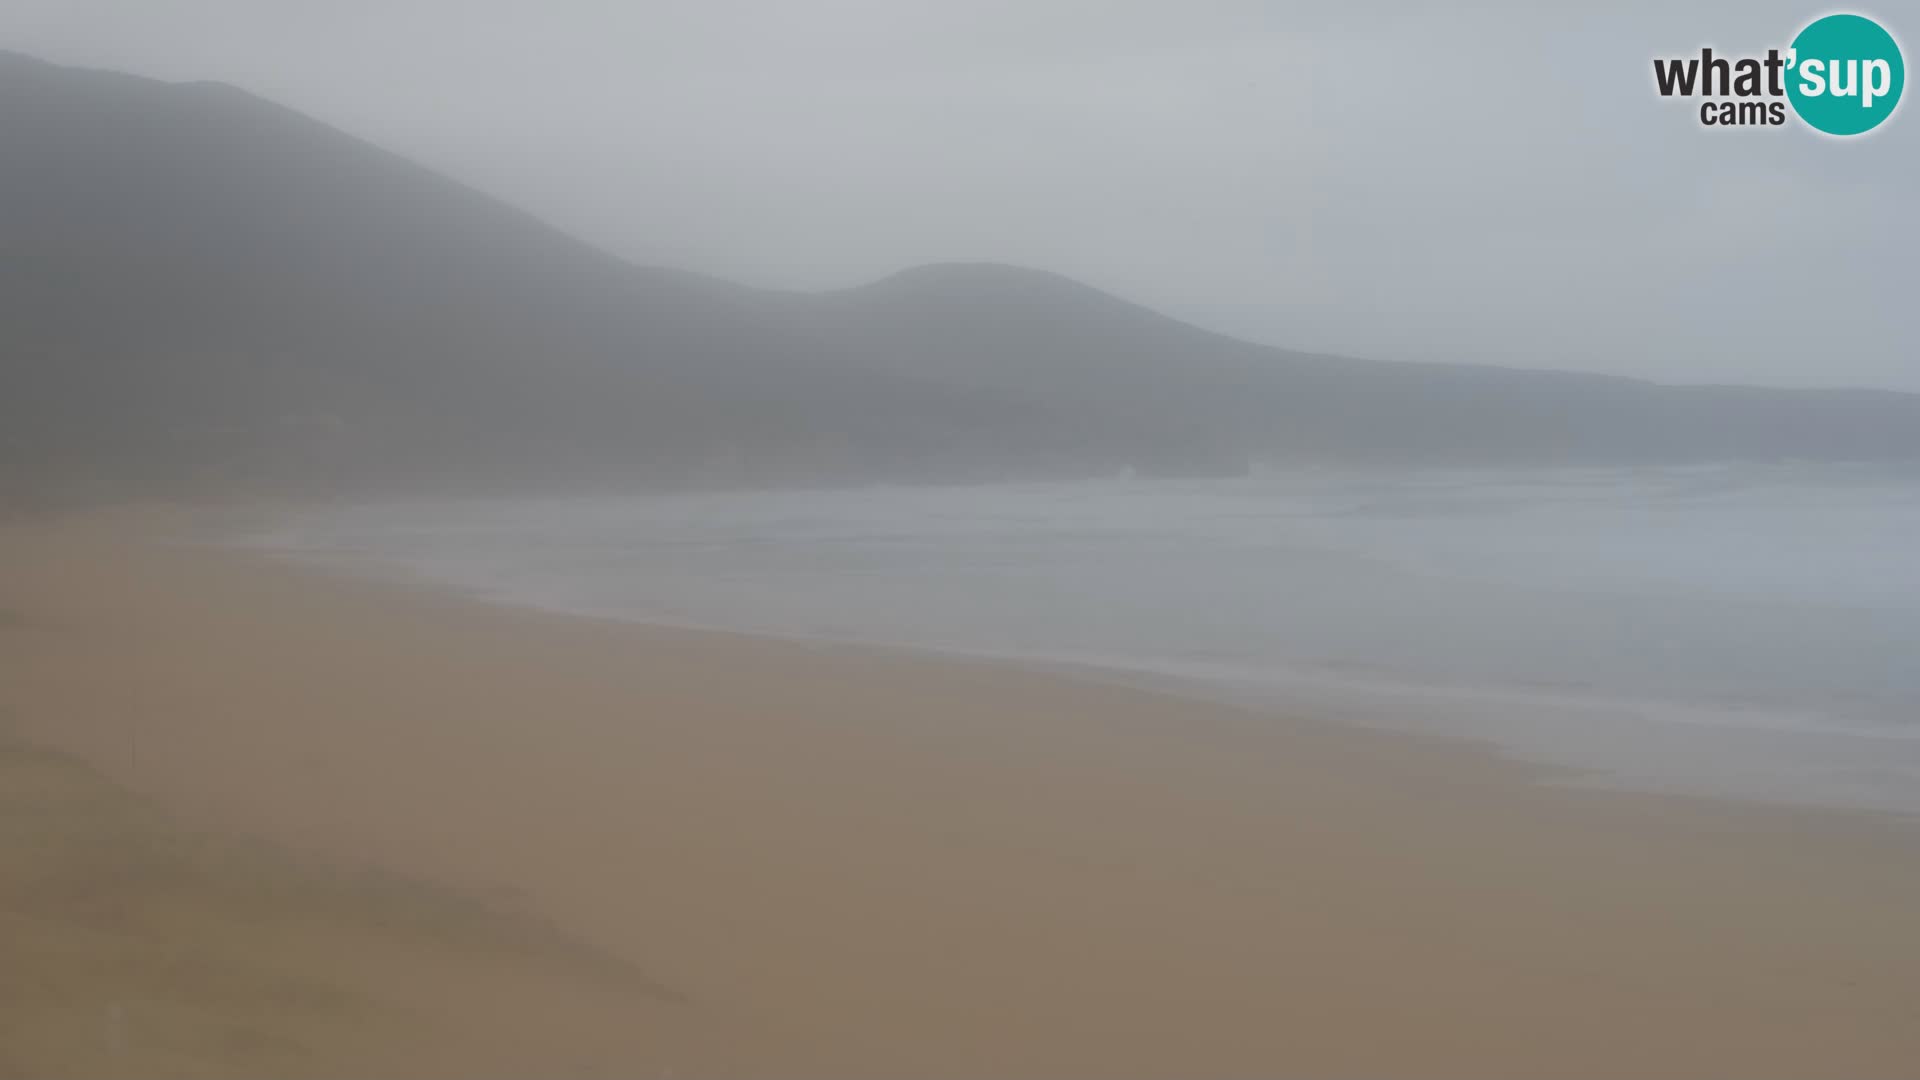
pixel 261 820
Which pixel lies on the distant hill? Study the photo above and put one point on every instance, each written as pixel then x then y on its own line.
pixel 200 289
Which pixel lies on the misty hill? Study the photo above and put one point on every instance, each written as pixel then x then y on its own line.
pixel 200 287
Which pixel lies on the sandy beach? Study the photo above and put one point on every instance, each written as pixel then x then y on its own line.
pixel 265 821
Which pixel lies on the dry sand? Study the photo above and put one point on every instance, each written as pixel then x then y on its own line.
pixel 259 821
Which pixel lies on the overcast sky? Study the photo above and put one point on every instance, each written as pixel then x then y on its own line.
pixel 1495 183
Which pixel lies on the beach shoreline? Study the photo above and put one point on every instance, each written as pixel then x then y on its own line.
pixel 1707 665
pixel 826 860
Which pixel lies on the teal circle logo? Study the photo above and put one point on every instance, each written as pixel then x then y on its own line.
pixel 1845 74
